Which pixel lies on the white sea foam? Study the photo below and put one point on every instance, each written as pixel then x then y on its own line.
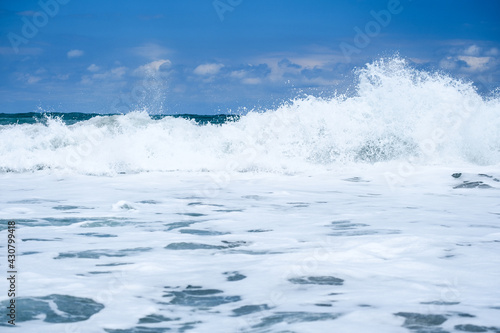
pixel 397 113
pixel 267 253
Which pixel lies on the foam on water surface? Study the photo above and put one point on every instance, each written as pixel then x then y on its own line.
pixel 427 262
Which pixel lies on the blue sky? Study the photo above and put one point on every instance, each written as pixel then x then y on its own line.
pixel 206 56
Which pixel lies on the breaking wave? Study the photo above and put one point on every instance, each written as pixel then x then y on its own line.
pixel 397 113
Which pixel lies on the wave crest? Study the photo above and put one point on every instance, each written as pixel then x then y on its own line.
pixel 397 113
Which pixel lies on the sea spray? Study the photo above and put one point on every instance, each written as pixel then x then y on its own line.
pixel 397 114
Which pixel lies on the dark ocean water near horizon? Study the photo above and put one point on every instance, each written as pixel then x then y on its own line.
pixel 70 118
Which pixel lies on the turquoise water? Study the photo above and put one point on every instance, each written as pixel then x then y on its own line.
pixel 74 117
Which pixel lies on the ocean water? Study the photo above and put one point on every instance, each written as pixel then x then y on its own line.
pixel 377 211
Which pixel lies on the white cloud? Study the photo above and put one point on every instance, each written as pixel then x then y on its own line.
pixel 113 74
pixel 448 63
pixel 208 69
pixel 420 60
pixel 151 51
pixel 472 50
pixel 476 64
pixel 86 80
pixel 283 65
pixel 180 89
pixel 93 68
pixel 470 59
pixel 33 79
pixel 152 67
pixel 312 61
pixel 118 72
pixel 28 78
pixel 75 53
pixel 62 77
pixel 492 52
pixel 323 82
pixel 251 80
pixel 238 74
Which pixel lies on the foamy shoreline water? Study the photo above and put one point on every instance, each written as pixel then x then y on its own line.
pixel 266 253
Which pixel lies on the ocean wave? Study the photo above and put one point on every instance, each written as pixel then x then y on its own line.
pixel 397 113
